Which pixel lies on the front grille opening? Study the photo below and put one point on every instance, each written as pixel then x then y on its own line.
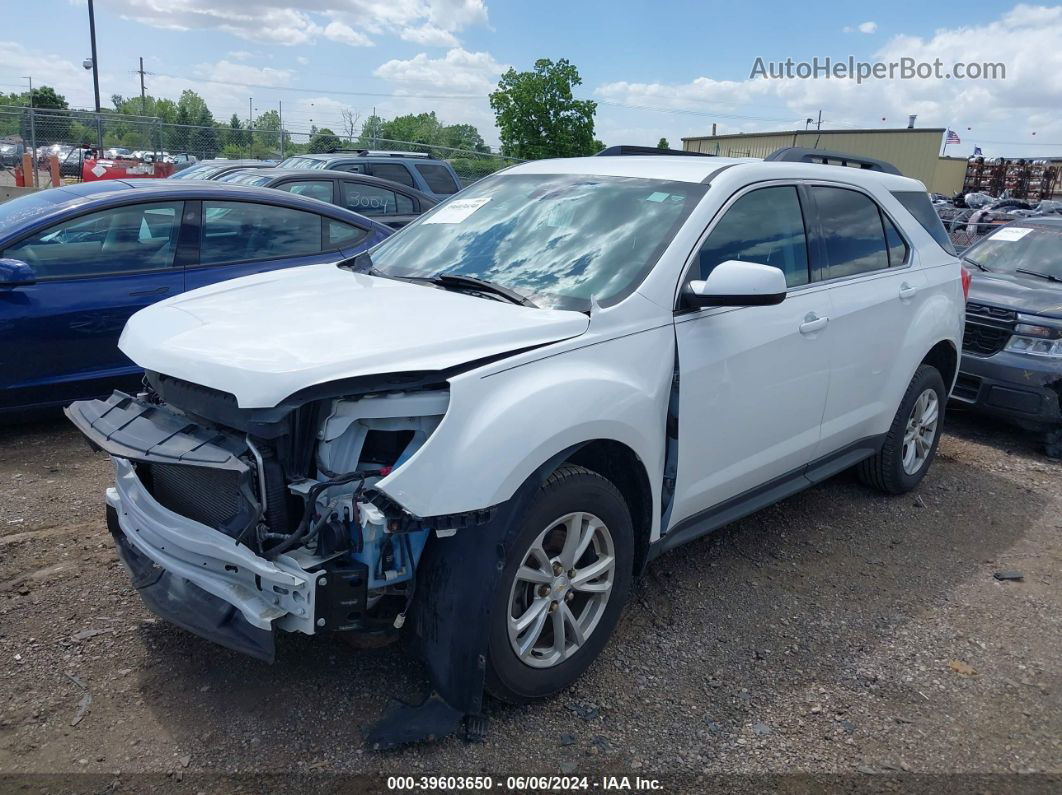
pixel 984 340
pixel 967 387
pixel 203 494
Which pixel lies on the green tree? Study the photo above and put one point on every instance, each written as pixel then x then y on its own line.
pixel 663 144
pixel 371 132
pixel 417 128
pixel 537 115
pixel 324 141
pixel 265 139
pixel 464 136
pixel 236 138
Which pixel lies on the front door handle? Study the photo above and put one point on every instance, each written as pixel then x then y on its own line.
pixel 813 323
pixel 907 291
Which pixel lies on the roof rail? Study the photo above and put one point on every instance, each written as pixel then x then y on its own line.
pixel 625 150
pixel 800 154
pixel 377 153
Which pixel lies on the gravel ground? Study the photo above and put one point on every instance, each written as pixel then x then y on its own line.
pixel 838 632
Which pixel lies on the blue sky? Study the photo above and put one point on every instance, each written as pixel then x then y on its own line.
pixel 659 69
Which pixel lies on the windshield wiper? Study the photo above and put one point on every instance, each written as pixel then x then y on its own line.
pixel 471 282
pixel 976 264
pixel 1047 276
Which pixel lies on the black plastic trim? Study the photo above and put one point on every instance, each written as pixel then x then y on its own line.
pixel 802 154
pixel 766 494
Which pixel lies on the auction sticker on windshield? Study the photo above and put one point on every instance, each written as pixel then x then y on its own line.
pixel 456 211
pixel 1011 233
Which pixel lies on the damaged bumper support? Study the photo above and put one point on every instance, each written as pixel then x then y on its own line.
pixel 187 571
pixel 264 593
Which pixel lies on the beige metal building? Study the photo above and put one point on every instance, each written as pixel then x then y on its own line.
pixel 915 152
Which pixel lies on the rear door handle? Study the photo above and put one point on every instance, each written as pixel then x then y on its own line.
pixel 907 291
pixel 813 323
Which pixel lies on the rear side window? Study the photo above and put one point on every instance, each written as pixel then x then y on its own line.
pixel 140 237
pixel 340 234
pixel 395 172
pixel 241 231
pixel 764 226
pixel 852 231
pixel 897 245
pixel 917 204
pixel 438 178
pixel 374 200
pixel 314 188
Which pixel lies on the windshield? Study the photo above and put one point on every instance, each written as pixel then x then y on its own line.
pixel 302 162
pixel 559 240
pixel 197 172
pixel 1035 247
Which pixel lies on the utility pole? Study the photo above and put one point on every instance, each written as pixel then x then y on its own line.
pixel 95 76
pixel 33 133
pixel 143 95
pixel 818 124
pixel 280 112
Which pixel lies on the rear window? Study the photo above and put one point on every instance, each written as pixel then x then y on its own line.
pixel 917 204
pixel 438 178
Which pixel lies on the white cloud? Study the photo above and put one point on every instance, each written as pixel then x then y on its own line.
pixel 344 34
pixel 457 71
pixel 1025 39
pixel 429 36
pixel 862 27
pixel 426 22
pixel 241 55
pixel 302 60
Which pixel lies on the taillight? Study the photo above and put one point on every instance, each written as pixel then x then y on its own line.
pixel 965 284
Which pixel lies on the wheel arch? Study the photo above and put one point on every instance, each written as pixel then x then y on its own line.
pixel 619 464
pixel 945 358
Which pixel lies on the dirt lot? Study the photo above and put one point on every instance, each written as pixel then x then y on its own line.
pixel 838 632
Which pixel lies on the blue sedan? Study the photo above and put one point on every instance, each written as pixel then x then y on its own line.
pixel 77 261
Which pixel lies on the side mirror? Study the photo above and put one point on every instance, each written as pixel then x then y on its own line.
pixel 16 273
pixel 737 283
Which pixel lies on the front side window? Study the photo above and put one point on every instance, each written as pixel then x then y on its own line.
pixel 558 239
pixel 314 188
pixel 242 231
pixel 764 226
pixel 141 237
pixel 852 231
pixel 374 200
pixel 438 178
pixel 395 172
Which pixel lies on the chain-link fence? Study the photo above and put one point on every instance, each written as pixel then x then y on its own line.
pixel 74 135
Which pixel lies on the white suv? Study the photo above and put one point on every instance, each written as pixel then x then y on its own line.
pixel 496 417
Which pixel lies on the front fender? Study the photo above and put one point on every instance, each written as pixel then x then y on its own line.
pixel 501 426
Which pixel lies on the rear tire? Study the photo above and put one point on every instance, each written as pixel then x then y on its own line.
pixel 555 606
pixel 911 444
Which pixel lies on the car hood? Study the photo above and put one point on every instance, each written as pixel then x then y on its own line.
pixel 1029 294
pixel 265 337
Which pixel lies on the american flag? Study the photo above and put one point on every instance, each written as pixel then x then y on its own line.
pixel 952 138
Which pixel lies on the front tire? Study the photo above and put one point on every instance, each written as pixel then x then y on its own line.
pixel 567 574
pixel 911 443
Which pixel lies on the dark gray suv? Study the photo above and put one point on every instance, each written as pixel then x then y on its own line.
pixel 1012 347
pixel 412 169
